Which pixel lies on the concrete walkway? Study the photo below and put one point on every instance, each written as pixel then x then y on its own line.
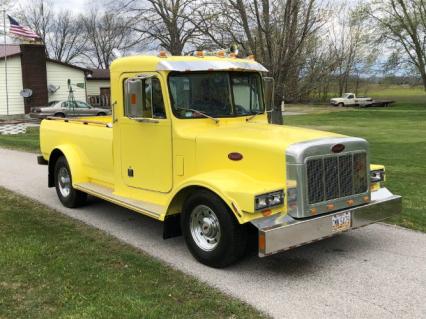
pixel 375 272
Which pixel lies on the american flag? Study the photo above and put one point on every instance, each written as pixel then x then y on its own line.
pixel 19 30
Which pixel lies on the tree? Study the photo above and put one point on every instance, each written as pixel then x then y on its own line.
pixel 402 23
pixel 62 33
pixel 166 22
pixel 39 17
pixel 278 32
pixel 106 32
pixel 66 40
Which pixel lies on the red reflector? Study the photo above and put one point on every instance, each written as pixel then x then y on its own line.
pixel 235 156
pixel 338 148
pixel 133 99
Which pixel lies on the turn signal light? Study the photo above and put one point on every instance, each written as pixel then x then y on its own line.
pixel 262 244
pixel 267 212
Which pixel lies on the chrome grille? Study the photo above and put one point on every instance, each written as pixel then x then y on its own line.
pixel 332 177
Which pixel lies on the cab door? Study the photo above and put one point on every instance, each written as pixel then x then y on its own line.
pixel 145 136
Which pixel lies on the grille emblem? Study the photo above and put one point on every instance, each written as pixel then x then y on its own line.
pixel 338 148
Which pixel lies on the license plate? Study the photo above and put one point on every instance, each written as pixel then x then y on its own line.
pixel 341 222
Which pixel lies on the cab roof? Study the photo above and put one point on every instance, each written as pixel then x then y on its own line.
pixel 184 64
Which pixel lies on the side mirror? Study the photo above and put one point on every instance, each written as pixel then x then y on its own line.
pixel 268 93
pixel 138 97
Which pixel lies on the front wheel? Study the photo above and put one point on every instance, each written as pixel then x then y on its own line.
pixel 341 105
pixel 213 235
pixel 68 195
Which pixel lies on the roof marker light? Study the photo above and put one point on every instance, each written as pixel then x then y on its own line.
pixel 199 54
pixel 251 57
pixel 220 54
pixel 162 54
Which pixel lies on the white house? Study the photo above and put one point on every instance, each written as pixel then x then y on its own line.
pixel 29 68
pixel 98 87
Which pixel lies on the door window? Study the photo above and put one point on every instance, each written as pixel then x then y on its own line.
pixel 82 105
pixel 144 98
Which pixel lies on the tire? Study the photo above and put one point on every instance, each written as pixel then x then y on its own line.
pixel 205 216
pixel 340 104
pixel 101 114
pixel 59 115
pixel 68 196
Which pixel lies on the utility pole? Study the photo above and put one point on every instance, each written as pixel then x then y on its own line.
pixel 5 61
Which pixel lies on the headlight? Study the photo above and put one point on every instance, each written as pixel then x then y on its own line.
pixel 269 200
pixel 377 176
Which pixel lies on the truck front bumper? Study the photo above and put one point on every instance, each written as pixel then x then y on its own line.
pixel 282 232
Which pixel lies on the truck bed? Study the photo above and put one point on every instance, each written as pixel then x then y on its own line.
pixel 91 136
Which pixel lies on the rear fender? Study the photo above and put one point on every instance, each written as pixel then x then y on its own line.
pixel 74 163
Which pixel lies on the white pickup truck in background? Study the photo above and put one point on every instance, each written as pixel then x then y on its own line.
pixel 350 99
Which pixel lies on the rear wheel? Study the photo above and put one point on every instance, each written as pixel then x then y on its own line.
pixel 59 115
pixel 340 105
pixel 101 114
pixel 213 235
pixel 68 196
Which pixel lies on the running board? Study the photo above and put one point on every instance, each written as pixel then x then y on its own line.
pixel 152 210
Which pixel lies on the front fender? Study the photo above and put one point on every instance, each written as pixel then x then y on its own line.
pixel 237 190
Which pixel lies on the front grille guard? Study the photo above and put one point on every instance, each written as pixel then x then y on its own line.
pixel 336 176
pixel 297 156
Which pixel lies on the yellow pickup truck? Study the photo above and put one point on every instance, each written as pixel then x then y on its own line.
pixel 189 144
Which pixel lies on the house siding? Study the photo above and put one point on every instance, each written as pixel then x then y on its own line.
pixel 94 86
pixel 14 85
pixel 58 75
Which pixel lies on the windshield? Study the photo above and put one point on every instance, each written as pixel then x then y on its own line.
pixel 217 94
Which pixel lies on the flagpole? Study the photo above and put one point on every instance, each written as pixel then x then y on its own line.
pixel 5 62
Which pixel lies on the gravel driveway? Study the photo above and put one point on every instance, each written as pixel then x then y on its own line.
pixel 375 272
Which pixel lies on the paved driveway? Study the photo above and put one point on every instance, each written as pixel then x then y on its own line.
pixel 374 272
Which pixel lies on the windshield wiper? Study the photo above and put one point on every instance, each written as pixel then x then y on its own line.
pixel 253 116
pixel 201 113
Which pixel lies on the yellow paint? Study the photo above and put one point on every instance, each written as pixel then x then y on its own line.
pixel 175 154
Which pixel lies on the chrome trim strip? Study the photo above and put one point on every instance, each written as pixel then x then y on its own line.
pixel 296 153
pixel 282 232
pixel 105 193
pixel 209 65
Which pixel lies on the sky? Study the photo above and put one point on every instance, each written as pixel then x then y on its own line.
pixel 77 5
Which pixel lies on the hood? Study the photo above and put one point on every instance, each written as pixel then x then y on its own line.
pixel 262 135
pixel 262 146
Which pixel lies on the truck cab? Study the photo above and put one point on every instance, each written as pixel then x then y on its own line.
pixel 189 144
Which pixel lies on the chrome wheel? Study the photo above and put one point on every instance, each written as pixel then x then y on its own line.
pixel 205 227
pixel 64 182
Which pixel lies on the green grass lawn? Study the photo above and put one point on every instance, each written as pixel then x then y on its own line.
pixel 55 267
pixel 397 137
pixel 26 142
